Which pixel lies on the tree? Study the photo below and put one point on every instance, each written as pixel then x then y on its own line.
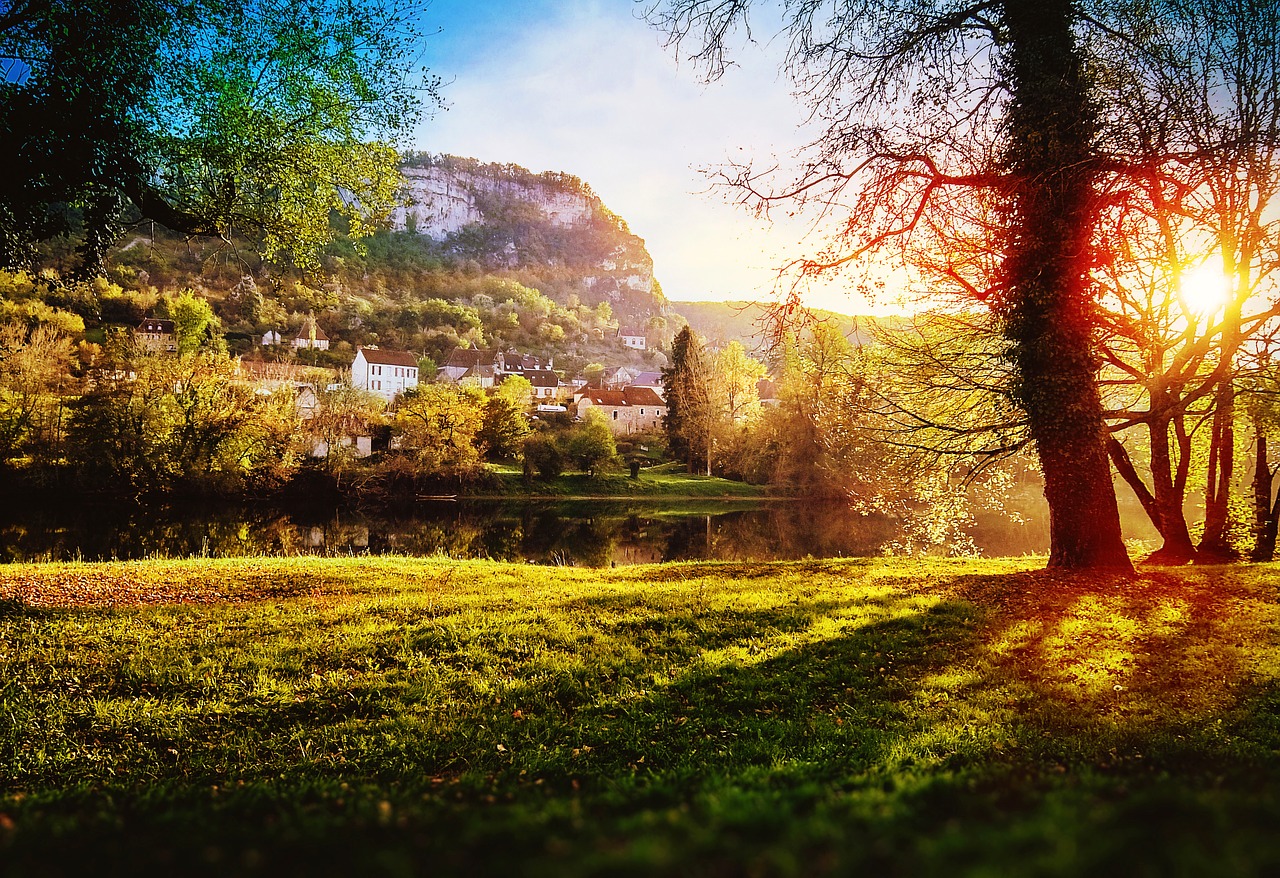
pixel 735 380
pixel 1193 239
pixel 195 326
pixel 181 423
pixel 926 105
pixel 690 420
pixel 590 444
pixel 219 118
pixel 542 454
pixel 342 411
pixel 506 421
pixel 33 364
pixel 442 423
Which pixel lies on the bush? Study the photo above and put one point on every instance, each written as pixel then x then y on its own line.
pixel 542 455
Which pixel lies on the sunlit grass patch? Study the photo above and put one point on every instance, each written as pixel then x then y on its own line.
pixel 877 715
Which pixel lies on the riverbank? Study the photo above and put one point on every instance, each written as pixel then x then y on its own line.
pixel 393 716
pixel 666 482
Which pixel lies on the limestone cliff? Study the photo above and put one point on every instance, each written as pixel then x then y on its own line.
pixel 506 217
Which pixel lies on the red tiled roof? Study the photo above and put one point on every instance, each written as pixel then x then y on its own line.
pixel 641 396
pixel 605 397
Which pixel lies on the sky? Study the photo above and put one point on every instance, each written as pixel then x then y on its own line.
pixel 586 87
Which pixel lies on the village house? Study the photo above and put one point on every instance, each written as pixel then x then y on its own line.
pixel 271 338
pixel 627 411
pixel 469 364
pixel 633 338
pixel 546 385
pixel 311 336
pixel 266 378
pixel 155 336
pixel 356 437
pixel 386 373
pixel 487 369
pixel 618 377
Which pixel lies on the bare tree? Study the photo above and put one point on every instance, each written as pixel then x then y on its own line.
pixel 1193 128
pixel 924 103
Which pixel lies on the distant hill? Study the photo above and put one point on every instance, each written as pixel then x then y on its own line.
pixel 748 322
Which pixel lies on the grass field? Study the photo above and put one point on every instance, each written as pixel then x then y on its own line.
pixel 873 717
pixel 661 481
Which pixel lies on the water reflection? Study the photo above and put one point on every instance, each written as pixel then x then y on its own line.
pixel 596 534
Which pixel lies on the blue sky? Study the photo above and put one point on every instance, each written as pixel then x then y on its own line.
pixel 585 87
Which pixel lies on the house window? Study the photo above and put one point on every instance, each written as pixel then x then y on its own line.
pixel 615 414
pixel 642 411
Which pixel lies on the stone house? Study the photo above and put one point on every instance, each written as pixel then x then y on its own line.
pixel 633 338
pixel 155 336
pixel 627 411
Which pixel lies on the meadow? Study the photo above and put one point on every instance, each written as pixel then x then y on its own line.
pixel 393 716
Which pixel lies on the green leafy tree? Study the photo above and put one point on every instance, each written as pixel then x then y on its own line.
pixel 506 420
pixel 218 118
pixel 195 326
pixel 182 422
pixel 590 444
pixel 542 455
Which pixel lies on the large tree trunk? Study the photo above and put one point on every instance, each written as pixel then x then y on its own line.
pixel 1215 545
pixel 1170 491
pixel 1163 501
pixel 1266 511
pixel 1049 306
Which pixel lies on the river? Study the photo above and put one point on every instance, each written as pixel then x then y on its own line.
pixel 589 533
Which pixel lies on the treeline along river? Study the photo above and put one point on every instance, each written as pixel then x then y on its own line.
pixel 587 533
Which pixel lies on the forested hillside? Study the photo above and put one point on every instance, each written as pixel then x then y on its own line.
pixel 484 254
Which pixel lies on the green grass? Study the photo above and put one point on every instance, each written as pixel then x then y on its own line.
pixel 879 717
pixel 654 482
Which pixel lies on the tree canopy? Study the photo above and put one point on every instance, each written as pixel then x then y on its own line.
pixel 234 119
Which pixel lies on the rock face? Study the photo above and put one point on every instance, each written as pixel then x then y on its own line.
pixel 506 217
pixel 443 200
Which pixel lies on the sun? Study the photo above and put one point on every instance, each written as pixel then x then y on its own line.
pixel 1205 289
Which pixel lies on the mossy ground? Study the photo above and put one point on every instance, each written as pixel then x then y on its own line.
pixel 395 716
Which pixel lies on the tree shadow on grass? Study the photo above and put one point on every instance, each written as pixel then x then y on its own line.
pixel 974 730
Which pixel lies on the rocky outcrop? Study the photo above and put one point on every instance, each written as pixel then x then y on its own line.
pixel 505 216
pixel 442 200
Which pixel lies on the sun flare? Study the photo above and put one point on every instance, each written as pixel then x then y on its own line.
pixel 1205 289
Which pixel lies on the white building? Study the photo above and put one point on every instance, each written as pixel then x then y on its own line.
pixel 633 338
pixel 311 336
pixel 386 373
